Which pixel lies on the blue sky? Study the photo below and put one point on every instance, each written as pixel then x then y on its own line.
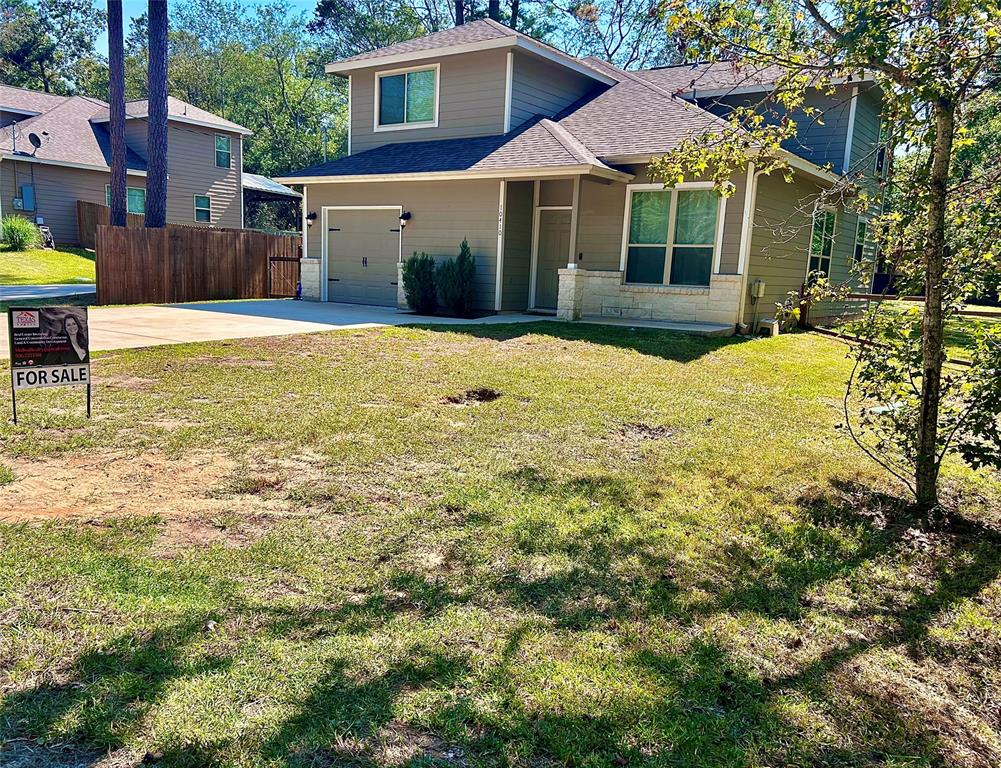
pixel 133 8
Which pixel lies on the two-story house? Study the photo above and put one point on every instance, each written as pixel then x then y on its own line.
pixel 539 160
pixel 56 150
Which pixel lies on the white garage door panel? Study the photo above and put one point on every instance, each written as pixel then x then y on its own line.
pixel 363 248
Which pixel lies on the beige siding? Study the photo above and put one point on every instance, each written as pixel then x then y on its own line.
pixel 192 171
pixel 57 189
pixel 517 244
pixel 539 87
pixel 443 213
pixel 471 101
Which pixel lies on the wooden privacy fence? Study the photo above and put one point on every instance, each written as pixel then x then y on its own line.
pixel 90 215
pixel 178 264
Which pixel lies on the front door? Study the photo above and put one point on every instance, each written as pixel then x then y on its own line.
pixel 553 255
pixel 363 248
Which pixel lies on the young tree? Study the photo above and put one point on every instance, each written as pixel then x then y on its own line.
pixel 627 33
pixel 116 104
pixel 156 137
pixel 933 61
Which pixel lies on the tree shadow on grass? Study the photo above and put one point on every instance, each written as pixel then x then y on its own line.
pixel 668 345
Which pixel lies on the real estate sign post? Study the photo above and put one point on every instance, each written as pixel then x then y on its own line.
pixel 49 347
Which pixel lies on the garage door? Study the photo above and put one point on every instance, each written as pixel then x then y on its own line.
pixel 363 248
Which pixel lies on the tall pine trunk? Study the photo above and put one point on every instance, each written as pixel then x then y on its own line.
pixel 460 12
pixel 493 9
pixel 514 13
pixel 927 463
pixel 116 113
pixel 156 141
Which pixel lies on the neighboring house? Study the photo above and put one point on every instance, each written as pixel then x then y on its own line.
pixel 73 156
pixel 539 160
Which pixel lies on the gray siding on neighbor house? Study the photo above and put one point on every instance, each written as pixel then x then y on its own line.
pixel 192 171
pixel 865 137
pixel 539 87
pixel 442 214
pixel 57 189
pixel 471 101
pixel 517 244
pixel 821 139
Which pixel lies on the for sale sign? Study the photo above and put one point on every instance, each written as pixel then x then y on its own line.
pixel 49 348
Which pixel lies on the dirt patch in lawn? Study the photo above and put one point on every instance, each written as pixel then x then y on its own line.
pixel 473 396
pixel 640 431
pixel 203 498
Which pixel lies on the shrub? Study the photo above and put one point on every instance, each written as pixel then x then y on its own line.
pixel 418 284
pixel 19 233
pixel 455 282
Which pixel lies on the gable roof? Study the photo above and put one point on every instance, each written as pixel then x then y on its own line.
pixel 13 99
pixel 483 34
pixel 178 111
pixel 718 78
pixel 68 137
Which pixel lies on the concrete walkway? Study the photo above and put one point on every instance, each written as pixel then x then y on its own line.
pixel 152 325
pixel 9 293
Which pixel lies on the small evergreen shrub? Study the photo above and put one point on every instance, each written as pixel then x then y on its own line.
pixel 419 284
pixel 18 233
pixel 455 282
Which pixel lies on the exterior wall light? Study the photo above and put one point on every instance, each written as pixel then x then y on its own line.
pixel 404 218
pixel 310 218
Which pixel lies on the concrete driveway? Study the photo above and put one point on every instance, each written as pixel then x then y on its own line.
pixel 152 325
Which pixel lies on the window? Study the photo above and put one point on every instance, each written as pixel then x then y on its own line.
pixel 223 151
pixel 671 233
pixel 822 241
pixel 27 197
pixel 203 209
pixel 861 232
pixel 135 198
pixel 407 99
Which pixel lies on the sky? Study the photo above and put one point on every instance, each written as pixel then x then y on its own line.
pixel 133 8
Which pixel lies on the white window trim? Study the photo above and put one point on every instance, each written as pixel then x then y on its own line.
pixel 195 208
pixel 107 198
pixel 406 126
pixel 858 223
pixel 325 237
pixel 834 238
pixel 216 150
pixel 686 185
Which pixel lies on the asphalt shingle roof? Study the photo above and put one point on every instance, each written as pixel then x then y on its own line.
pixel 175 108
pixel 685 78
pixel 473 32
pixel 67 135
pixel 541 143
pixel 16 99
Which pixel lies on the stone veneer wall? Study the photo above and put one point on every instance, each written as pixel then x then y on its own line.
pixel 309 276
pixel 593 293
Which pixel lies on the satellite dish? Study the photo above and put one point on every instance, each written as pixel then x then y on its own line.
pixel 35 140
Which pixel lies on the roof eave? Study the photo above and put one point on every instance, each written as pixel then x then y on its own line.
pixel 234 128
pixel 65 163
pixel 506 41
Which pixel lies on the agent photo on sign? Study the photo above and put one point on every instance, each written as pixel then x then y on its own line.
pixel 67 326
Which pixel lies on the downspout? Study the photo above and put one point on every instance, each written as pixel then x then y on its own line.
pixel 746 235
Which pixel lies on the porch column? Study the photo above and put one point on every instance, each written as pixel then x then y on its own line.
pixel 574 209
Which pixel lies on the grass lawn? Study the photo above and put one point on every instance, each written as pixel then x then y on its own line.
pixel 527 545
pixel 39 266
pixel 959 331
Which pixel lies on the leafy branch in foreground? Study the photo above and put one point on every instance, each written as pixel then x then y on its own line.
pixel 937 67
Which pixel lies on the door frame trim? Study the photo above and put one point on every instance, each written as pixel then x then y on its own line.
pixel 324 273
pixel 534 270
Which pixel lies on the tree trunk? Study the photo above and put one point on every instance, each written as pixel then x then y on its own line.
pixel 156 141
pixel 514 14
pixel 460 12
pixel 493 9
pixel 116 113
pixel 926 463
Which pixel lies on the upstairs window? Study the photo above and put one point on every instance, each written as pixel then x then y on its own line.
pixel 822 241
pixel 223 151
pixel 407 99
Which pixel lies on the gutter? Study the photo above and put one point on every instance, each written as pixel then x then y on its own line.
pixel 65 163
